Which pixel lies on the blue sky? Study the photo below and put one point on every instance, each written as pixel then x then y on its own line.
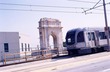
pixel 27 21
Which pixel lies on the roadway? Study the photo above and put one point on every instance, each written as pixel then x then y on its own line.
pixel 99 62
pixel 101 66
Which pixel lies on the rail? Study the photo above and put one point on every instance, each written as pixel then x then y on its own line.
pixel 34 55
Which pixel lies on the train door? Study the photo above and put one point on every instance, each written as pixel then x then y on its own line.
pixel 92 39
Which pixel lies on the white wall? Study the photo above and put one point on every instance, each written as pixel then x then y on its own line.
pixel 12 38
pixel 25 40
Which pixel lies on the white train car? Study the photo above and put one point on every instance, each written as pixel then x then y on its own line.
pixel 86 40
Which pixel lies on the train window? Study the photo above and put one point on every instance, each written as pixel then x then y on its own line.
pixel 89 36
pixel 80 37
pixel 70 38
pixel 102 35
pixel 92 36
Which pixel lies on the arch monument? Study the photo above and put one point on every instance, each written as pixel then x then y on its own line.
pixel 50 27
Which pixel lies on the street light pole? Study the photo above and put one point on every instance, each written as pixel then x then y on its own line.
pixel 106 25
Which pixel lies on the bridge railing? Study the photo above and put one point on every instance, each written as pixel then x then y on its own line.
pixel 34 55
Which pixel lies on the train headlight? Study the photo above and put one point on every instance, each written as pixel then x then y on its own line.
pixel 69 40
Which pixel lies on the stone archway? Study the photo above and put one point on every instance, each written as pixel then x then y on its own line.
pixel 47 27
pixel 54 40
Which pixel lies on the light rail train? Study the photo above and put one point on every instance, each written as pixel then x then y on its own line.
pixel 86 40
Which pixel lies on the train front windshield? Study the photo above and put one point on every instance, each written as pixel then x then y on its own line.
pixel 70 37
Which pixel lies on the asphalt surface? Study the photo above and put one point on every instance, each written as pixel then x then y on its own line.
pixel 99 62
pixel 101 66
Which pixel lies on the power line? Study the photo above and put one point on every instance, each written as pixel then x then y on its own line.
pixel 40 10
pixel 96 4
pixel 92 7
pixel 48 11
pixel 95 7
pixel 83 1
pixel 50 6
pixel 42 5
pixel 38 5
pixel 46 6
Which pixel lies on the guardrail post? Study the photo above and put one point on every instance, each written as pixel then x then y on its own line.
pixel 5 59
pixel 25 56
pixel 2 59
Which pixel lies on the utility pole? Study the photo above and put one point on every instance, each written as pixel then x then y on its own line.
pixel 106 25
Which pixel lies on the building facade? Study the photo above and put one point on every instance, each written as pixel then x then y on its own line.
pixel 12 44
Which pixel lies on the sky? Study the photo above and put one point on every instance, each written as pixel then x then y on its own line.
pixel 24 19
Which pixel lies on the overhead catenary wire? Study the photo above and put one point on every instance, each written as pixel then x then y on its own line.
pixel 46 6
pixel 41 10
pixel 48 11
pixel 38 5
pixel 52 7
pixel 95 7
pixel 92 7
pixel 82 1
pixel 96 4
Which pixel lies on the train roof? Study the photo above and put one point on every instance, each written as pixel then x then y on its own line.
pixel 94 29
pixel 86 29
pixel 74 30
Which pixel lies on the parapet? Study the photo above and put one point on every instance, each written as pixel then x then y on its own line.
pixel 49 22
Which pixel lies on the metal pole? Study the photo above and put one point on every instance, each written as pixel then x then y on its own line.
pixel 106 25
